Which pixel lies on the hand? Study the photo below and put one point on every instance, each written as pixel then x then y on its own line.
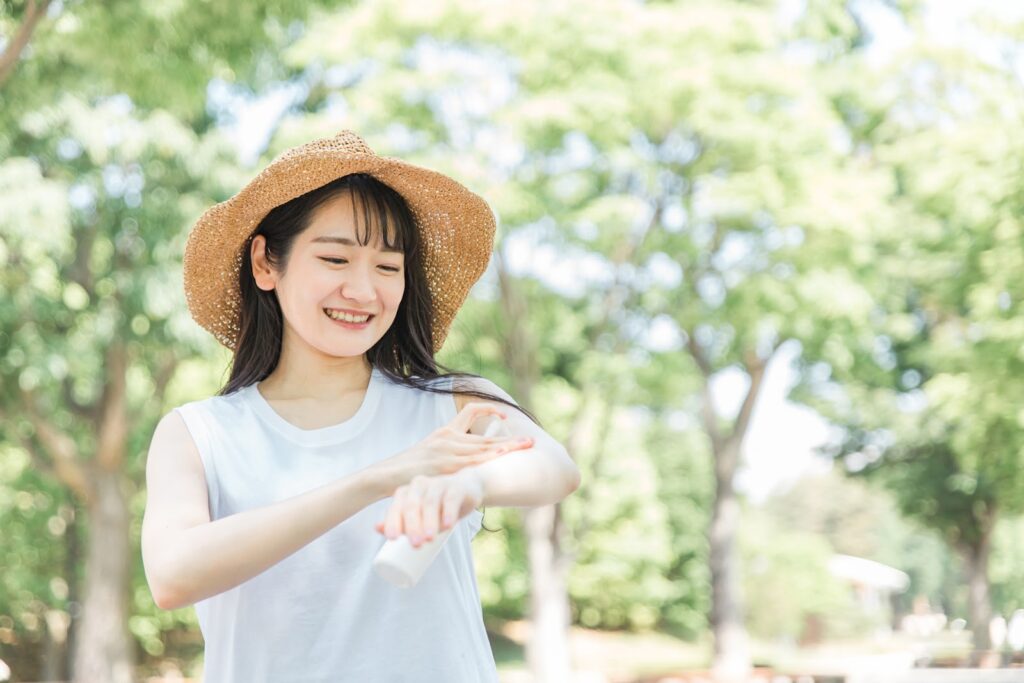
pixel 429 504
pixel 450 448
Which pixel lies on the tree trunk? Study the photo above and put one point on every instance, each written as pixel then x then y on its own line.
pixel 979 603
pixel 548 647
pixel 71 563
pixel 103 649
pixel 55 640
pixel 34 12
pixel 732 651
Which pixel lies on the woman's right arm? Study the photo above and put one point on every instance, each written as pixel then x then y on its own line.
pixel 188 558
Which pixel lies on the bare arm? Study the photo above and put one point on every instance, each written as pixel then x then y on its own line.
pixel 188 558
pixel 528 478
pixel 532 477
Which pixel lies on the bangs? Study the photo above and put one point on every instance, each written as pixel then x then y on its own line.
pixel 383 211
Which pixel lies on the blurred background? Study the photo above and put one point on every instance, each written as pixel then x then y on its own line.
pixel 757 266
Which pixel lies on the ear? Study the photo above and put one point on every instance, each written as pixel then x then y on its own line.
pixel 262 273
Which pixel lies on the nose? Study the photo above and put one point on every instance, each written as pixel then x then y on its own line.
pixel 358 286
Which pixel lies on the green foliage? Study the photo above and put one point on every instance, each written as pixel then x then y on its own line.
pixel 35 585
pixel 685 485
pixel 788 584
pixel 107 158
pixel 712 179
pixel 1006 569
pixel 859 519
pixel 161 55
pixel 918 379
pixel 90 260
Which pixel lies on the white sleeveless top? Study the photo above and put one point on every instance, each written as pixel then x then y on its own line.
pixel 322 615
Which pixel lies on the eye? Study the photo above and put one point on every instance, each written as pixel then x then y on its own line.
pixel 339 261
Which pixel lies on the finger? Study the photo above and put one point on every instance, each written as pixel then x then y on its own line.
pixel 461 448
pixel 464 447
pixel 412 512
pixel 488 456
pixel 462 461
pixel 471 411
pixel 393 521
pixel 450 509
pixel 475 460
pixel 471 438
pixel 516 444
pixel 432 511
pixel 393 524
pixel 412 519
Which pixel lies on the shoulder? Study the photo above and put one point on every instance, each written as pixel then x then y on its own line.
pixel 209 411
pixel 174 451
pixel 481 384
pixel 215 402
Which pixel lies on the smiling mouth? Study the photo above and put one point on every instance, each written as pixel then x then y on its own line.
pixel 349 319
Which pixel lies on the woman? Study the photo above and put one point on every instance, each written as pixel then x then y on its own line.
pixel 333 276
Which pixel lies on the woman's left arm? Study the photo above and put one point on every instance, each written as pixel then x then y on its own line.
pixel 540 475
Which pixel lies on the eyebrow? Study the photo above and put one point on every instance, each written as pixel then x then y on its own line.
pixel 349 243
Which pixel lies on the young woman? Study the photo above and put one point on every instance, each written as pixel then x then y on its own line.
pixel 333 276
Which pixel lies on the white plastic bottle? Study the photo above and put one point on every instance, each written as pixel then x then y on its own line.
pixel 398 561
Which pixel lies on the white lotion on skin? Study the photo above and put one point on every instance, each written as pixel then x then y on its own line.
pixel 398 561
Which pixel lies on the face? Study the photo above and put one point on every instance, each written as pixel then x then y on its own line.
pixel 328 272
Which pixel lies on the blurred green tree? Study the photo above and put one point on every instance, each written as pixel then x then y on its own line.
pixel 108 154
pixel 787 569
pixel 918 380
pixel 863 520
pixel 92 332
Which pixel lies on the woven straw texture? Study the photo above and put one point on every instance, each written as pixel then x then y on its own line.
pixel 456 225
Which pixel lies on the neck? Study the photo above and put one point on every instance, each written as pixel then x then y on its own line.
pixel 315 376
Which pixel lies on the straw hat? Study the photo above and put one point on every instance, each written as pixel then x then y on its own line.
pixel 456 228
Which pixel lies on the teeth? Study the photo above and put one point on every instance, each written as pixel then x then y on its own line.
pixel 338 315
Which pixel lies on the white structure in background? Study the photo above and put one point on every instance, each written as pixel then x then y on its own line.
pixel 1015 631
pixel 922 622
pixel 997 631
pixel 872 582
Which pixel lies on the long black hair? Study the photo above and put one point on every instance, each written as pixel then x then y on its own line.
pixel 405 353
